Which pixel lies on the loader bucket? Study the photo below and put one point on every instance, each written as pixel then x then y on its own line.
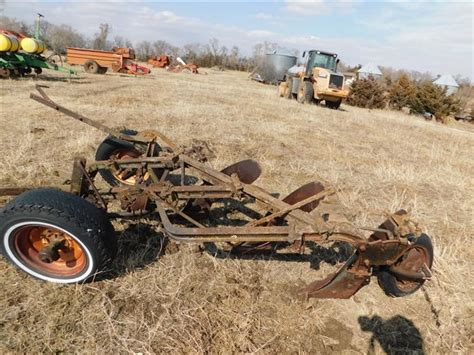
pixel 246 170
pixel 342 284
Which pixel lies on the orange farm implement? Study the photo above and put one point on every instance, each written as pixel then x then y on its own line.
pixel 120 60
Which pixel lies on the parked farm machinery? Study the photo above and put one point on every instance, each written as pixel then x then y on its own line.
pixel 21 55
pixel 120 60
pixel 315 78
pixel 182 67
pixel 161 61
pixel 67 237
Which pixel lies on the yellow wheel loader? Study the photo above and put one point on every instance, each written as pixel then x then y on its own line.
pixel 314 79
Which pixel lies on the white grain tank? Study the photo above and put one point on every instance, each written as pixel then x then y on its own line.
pixel 275 67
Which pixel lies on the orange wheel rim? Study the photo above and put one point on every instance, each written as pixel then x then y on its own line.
pixel 27 242
pixel 126 176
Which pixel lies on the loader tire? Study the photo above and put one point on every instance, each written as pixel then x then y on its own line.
pixel 334 104
pixel 289 86
pixel 80 235
pixel 306 93
pixel 281 89
pixel 396 287
pixel 112 147
pixel 91 67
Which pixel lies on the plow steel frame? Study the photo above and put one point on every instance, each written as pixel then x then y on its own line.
pixel 279 222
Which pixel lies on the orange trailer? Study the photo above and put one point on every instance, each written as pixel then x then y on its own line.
pixel 120 60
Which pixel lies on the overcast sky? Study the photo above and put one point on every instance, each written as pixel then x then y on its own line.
pixel 414 35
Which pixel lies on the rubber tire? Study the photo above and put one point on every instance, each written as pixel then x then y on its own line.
pixel 91 67
pixel 289 84
pixel 108 147
pixel 38 70
pixel 305 96
pixel 333 105
pixel 388 281
pixel 82 219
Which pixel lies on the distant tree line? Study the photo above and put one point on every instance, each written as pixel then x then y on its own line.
pixel 59 37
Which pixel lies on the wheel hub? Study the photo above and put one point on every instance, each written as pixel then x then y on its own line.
pixel 49 250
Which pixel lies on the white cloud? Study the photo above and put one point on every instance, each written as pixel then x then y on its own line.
pixel 263 16
pixel 260 33
pixel 308 7
pixel 435 38
pixel 317 7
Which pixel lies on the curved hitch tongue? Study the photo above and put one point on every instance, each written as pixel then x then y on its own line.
pixel 344 283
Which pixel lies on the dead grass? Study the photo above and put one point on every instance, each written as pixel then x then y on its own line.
pixel 188 301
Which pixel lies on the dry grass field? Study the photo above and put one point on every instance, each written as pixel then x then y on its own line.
pixel 183 300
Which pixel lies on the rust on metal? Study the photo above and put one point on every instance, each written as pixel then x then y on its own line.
pixel 161 61
pixel 120 60
pixel 304 192
pixel 246 170
pixel 50 250
pixel 186 181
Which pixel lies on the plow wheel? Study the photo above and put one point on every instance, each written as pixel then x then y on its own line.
pixel 56 236
pixel 401 278
pixel 112 148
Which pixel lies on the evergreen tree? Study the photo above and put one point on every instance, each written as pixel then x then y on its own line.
pixel 367 93
pixel 402 93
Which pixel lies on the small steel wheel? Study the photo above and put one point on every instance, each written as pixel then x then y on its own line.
pixel 56 236
pixel 113 148
pixel 420 255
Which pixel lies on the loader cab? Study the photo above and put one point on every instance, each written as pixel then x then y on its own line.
pixel 319 59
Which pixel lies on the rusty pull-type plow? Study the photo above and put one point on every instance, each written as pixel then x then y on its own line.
pixel 149 174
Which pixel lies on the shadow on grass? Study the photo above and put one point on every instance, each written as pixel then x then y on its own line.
pixel 138 246
pixel 315 254
pixel 397 335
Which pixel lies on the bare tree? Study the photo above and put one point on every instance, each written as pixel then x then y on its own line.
pixel 233 61
pixel 13 24
pixel 214 46
pixel 119 41
pixel 143 50
pixel 163 47
pixel 100 39
pixel 58 38
pixel 191 51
